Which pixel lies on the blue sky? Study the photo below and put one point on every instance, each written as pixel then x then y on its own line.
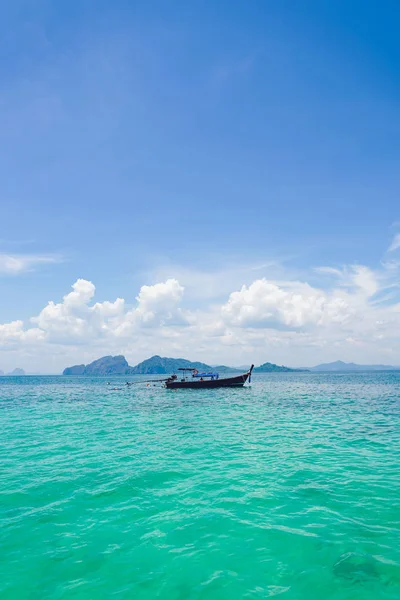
pixel 213 143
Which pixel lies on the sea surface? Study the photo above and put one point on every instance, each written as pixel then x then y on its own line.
pixel 289 488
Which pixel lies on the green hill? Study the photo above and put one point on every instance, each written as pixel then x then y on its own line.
pixel 225 369
pixel 272 368
pixel 107 365
pixel 157 365
pixel 117 365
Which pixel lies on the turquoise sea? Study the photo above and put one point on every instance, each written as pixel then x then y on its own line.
pixel 288 488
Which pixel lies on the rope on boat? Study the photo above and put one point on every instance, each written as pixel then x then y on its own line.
pixel 129 383
pixel 145 381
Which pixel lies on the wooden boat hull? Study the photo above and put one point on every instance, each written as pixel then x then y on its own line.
pixel 237 381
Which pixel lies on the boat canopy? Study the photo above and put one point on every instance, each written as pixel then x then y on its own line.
pixel 211 375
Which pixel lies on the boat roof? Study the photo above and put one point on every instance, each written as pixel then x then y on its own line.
pixel 206 375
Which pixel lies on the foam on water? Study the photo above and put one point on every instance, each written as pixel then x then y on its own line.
pixel 290 487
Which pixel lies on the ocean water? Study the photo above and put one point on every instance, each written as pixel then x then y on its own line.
pixel 288 488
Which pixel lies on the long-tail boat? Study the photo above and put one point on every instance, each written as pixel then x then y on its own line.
pixel 191 378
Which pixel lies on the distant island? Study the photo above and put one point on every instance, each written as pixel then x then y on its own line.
pixel 14 372
pixel 157 365
pixel 107 365
pixel 17 372
pixel 271 368
pixel 339 365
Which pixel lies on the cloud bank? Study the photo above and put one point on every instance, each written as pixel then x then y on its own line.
pixel 354 314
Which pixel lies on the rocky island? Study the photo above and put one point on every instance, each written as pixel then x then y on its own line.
pixel 272 368
pixel 17 372
pixel 157 365
pixel 107 365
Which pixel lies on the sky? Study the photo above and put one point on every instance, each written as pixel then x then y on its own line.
pixel 211 180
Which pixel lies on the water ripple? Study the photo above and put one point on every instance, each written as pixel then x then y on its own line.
pixel 287 488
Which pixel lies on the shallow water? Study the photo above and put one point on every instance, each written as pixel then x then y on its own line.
pixel 290 487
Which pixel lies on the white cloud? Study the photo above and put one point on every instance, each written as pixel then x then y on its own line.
pixel 14 332
pixel 328 271
pixel 285 320
pixel 158 303
pixel 14 264
pixel 266 304
pixel 73 320
pixel 365 279
pixel 395 243
pixel 157 307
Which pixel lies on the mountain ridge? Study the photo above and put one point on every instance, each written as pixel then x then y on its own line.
pixel 341 366
pixel 157 365
pixel 272 368
pixel 106 365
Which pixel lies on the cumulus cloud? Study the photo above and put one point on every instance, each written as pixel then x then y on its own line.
pixel 158 303
pixel 14 332
pixel 356 310
pixel 266 304
pixel 75 320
